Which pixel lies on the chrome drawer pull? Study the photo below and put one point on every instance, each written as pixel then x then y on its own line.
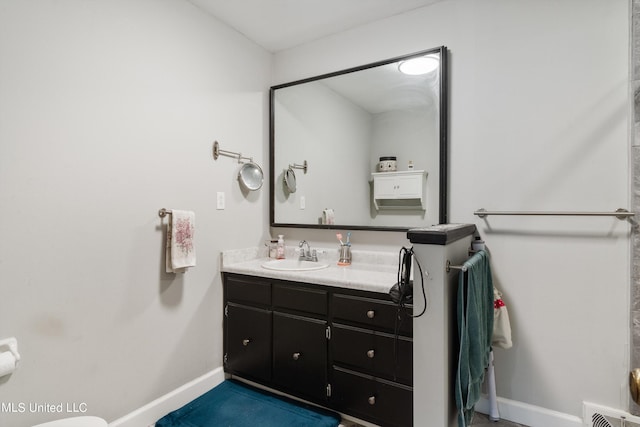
pixel 372 400
pixel 371 354
pixel 296 356
pixel 246 342
pixel 371 314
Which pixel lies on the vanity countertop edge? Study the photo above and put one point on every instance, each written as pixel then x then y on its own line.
pixel 369 271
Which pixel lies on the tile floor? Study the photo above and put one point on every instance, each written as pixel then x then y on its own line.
pixel 482 420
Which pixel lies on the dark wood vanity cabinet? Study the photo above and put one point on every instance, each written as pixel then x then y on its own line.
pixel 300 331
pixel 248 328
pixel 348 350
pixel 372 358
pixel 300 355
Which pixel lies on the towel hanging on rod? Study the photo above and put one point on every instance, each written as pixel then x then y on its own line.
pixel 475 326
pixel 180 247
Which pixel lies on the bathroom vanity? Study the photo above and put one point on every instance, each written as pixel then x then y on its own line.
pixel 330 339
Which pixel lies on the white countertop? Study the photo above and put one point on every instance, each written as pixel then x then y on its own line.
pixel 369 271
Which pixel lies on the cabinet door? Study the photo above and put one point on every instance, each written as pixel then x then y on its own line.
pixel 300 355
pixel 384 187
pixel 248 341
pixel 409 186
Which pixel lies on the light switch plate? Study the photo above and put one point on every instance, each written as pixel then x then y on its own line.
pixel 220 200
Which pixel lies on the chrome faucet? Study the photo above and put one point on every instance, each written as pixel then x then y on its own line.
pixel 307 255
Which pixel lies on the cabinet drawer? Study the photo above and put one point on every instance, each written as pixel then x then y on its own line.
pixel 372 399
pixel 300 354
pixel 374 352
pixel 299 298
pixel 248 341
pixel 248 290
pixel 372 313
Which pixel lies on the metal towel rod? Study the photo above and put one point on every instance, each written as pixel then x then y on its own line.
pixel 449 267
pixel 164 212
pixel 619 213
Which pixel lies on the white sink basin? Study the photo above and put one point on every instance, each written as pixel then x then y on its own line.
pixel 293 265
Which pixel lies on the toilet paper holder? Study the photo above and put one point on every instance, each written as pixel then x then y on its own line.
pixel 10 344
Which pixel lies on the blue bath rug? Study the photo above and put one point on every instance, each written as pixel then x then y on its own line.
pixel 233 404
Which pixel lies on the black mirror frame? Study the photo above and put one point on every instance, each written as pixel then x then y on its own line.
pixel 443 189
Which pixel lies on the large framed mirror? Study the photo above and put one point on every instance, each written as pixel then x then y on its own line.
pixel 362 148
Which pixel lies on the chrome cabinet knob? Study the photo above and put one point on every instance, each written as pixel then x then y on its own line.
pixel 296 356
pixel 372 400
pixel 371 314
pixel 371 354
pixel 246 342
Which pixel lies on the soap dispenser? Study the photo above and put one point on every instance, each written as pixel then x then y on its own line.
pixel 280 248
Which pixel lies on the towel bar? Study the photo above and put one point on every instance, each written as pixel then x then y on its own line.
pixel 164 212
pixel 619 213
pixel 450 267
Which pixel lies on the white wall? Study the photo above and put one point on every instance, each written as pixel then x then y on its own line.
pixel 538 121
pixel 419 143
pixel 329 151
pixel 108 112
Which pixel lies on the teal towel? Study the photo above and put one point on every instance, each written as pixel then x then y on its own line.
pixel 475 326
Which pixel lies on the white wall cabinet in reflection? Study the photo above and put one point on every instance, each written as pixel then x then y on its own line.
pixel 399 190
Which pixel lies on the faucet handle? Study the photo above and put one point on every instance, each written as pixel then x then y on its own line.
pixel 314 255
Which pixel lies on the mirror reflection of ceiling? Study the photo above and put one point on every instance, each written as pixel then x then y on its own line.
pixel 282 24
pixel 381 89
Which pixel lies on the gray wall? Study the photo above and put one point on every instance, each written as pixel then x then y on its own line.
pixel 635 192
pixel 108 112
pixel 538 121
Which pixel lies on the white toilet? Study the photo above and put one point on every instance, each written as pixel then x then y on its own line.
pixel 76 422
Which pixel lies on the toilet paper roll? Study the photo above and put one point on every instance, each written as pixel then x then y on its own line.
pixel 7 363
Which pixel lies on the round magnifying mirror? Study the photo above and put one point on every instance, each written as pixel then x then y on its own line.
pixel 251 176
pixel 290 180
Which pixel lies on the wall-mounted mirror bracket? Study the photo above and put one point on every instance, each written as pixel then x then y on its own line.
pixel 250 174
pixel 304 166
pixel 217 152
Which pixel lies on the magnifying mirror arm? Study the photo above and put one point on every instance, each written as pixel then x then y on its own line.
pixel 304 166
pixel 218 152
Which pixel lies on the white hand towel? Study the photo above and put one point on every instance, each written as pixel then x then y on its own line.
pixel 181 250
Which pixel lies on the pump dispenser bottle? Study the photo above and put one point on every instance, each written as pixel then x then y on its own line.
pixel 280 248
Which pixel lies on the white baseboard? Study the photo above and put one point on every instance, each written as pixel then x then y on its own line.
pixel 530 415
pixel 510 410
pixel 152 412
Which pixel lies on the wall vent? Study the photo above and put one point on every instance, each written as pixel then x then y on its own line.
pixel 601 416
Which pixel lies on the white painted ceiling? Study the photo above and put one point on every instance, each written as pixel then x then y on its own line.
pixel 281 24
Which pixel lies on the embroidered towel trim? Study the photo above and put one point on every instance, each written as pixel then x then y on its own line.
pixel 180 251
pixel 501 324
